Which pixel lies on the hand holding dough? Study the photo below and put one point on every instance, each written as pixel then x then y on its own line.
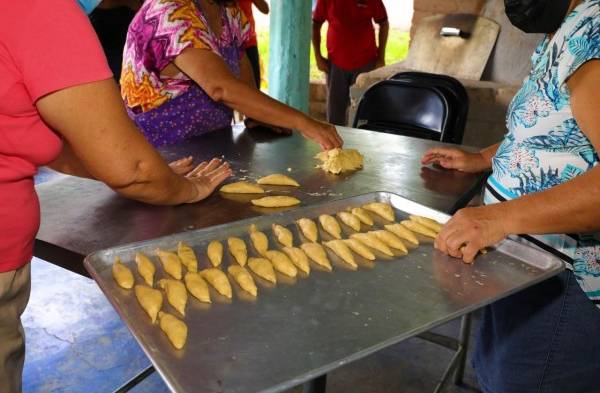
pixel 188 257
pixel 145 267
pixel 298 258
pixel 215 253
pixel 391 240
pixel 278 179
pixel 403 233
pixel 242 187
pixel 384 210
pixel 419 228
pixel 218 280
pixel 260 241
pixel 350 219
pixel 427 222
pixel 150 300
pixel 363 216
pixel 175 329
pixel 237 248
pixel 317 254
pixel 330 225
pixel 197 287
pixel 176 294
pixel 360 249
pixel 309 229
pixel 339 160
pixel 276 201
pixel 122 274
pixel 372 241
pixel 262 268
pixel 170 262
pixel 243 278
pixel 341 250
pixel 283 235
pixel 282 263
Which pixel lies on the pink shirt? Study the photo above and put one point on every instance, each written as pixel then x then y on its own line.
pixel 45 46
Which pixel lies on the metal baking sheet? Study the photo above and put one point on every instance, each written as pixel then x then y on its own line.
pixel 308 326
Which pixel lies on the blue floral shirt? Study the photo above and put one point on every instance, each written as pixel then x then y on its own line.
pixel 544 146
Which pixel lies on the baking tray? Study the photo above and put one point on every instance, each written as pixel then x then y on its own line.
pixel 308 326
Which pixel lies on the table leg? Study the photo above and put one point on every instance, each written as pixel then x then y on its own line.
pixel 136 380
pixel 465 335
pixel 317 385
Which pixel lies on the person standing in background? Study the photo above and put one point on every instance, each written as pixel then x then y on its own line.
pixel 252 44
pixel 351 47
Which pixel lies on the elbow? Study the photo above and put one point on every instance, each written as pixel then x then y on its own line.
pixel 216 93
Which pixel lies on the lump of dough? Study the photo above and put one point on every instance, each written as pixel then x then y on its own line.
pixel 276 201
pixel 122 274
pixel 260 241
pixel 171 263
pixel 282 263
pixel 384 210
pixel 237 248
pixel 215 253
pixel 363 216
pixel 370 240
pixel 350 219
pixel 391 240
pixel 419 228
pixel 187 256
pixel 145 268
pixel 176 294
pixel 262 268
pixel 338 160
pixel 309 229
pixel 360 249
pixel 150 299
pixel 218 280
pixel 341 250
pixel 175 329
pixel 317 254
pixel 278 179
pixel 331 226
pixel 197 287
pixel 243 278
pixel 403 233
pixel 242 187
pixel 427 222
pixel 298 258
pixel 283 235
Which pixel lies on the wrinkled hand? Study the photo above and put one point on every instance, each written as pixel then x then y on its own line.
pixel 253 123
pixel 322 64
pixel 324 134
pixel 183 165
pixel 453 158
pixel 470 230
pixel 207 176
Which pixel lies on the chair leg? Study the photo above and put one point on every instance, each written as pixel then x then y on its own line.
pixel 317 385
pixel 464 337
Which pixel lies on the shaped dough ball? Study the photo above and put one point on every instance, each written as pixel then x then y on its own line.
pixel 350 219
pixel 384 210
pixel 317 254
pixel 176 294
pixel 282 263
pixel 283 235
pixel 122 274
pixel 242 187
pixel 260 241
pixel 146 268
pixel 215 253
pixel 363 216
pixel 403 233
pixel 427 222
pixel 419 228
pixel 238 249
pixel 372 241
pixel 150 299
pixel 341 250
pixel 360 249
pixel 331 226
pixel 262 268
pixel 309 229
pixel 278 179
pixel 187 256
pixel 171 263
pixel 276 201
pixel 243 278
pixel 338 160
pixel 175 329
pixel 298 258
pixel 197 287
pixel 391 240
pixel 218 280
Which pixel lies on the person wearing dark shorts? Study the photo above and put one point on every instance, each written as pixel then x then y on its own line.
pixel 252 44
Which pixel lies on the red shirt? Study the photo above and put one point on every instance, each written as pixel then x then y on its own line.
pixel 246 6
pixel 45 46
pixel 351 37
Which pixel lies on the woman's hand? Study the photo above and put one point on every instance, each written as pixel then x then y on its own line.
pixel 472 229
pixel 453 158
pixel 183 165
pixel 324 134
pixel 207 176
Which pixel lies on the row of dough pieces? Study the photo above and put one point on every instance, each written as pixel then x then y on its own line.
pixel 287 263
pixel 276 179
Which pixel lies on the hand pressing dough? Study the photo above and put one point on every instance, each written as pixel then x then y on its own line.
pixel 427 222
pixel 419 228
pixel 338 160
pixel 372 241
pixel 278 179
pixel 218 280
pixel 350 219
pixel 122 274
pixel 309 229
pixel 215 253
pixel 282 263
pixel 391 240
pixel 150 299
pixel 283 235
pixel 260 241
pixel 188 257
pixel 176 294
pixel 197 287
pixel 363 216
pixel 145 268
pixel 276 201
pixel 317 254
pixel 360 249
pixel 403 233
pixel 331 226
pixel 175 329
pixel 171 263
pixel 243 278
pixel 238 249
pixel 384 210
pixel 263 268
pixel 298 258
pixel 341 250
pixel 242 187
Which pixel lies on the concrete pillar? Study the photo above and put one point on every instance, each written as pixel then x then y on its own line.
pixel 289 52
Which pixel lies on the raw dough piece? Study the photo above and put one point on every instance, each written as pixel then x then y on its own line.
pixel 384 210
pixel 278 179
pixel 218 280
pixel 276 201
pixel 283 235
pixel 331 226
pixel 197 287
pixel 215 253
pixel 188 257
pixel 427 222
pixel 238 249
pixel 242 187
pixel 338 160
pixel 317 254
pixel 170 262
pixel 372 241
pixel 360 249
pixel 150 299
pixel 362 215
pixel 260 241
pixel 341 250
pixel 175 329
pixel 122 274
pixel 145 267
pixel 243 278
pixel 263 268
pixel 308 228
pixel 419 228
pixel 350 219
pixel 282 263
pixel 391 240
pixel 402 232
pixel 176 294
pixel 298 258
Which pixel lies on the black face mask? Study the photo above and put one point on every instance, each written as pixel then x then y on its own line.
pixel 537 16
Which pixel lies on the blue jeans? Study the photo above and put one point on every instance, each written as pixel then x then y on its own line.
pixel 545 339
